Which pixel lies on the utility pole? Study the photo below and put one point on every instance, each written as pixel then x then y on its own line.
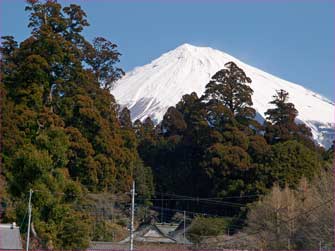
pixel 112 211
pixel 132 217
pixel 184 227
pixel 29 219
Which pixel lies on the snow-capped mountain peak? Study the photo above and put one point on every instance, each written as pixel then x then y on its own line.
pixel 150 89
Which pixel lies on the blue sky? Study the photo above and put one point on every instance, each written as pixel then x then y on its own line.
pixel 290 39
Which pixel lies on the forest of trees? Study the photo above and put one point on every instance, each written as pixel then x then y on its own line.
pixel 215 143
pixel 64 136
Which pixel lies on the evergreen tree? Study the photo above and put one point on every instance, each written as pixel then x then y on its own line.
pixel 284 113
pixel 282 124
pixel 173 122
pixel 230 87
pixel 102 58
pixel 125 119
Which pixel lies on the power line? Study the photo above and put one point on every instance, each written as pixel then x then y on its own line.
pixel 23 218
pixel 202 201
pixel 225 197
pixel 188 212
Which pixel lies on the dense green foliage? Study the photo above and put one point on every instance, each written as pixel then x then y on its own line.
pixel 61 132
pixel 203 227
pixel 282 124
pixel 214 144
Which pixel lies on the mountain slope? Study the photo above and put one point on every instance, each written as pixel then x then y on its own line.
pixel 149 90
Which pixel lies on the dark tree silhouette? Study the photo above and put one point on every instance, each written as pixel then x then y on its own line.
pixel 230 87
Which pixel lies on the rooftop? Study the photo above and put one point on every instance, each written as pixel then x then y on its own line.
pixel 10 237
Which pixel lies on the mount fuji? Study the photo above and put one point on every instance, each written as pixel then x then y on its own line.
pixel 149 90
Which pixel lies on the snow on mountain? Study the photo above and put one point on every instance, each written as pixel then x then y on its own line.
pixel 149 90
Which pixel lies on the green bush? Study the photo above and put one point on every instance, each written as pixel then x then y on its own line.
pixel 202 227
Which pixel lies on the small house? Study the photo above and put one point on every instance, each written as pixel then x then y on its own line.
pixel 167 233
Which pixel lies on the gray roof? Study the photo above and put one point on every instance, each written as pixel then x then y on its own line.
pixel 10 237
pixel 150 233
pixel 166 228
pixel 161 233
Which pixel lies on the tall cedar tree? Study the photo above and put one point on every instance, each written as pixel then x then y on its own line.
pixel 282 125
pixel 230 87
